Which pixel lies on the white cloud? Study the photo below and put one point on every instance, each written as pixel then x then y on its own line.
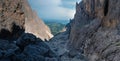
pixel 57 13
pixel 49 2
pixel 52 9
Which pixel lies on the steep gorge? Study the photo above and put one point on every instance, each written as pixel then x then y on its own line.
pixel 92 35
pixel 94 32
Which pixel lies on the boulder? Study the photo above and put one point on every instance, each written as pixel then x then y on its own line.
pixel 7 50
pixel 51 59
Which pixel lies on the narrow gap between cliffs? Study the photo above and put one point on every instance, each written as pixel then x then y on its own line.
pixel 106 5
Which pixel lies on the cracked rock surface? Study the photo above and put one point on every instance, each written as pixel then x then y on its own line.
pixel 95 30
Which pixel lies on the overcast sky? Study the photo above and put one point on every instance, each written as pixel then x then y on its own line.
pixel 54 9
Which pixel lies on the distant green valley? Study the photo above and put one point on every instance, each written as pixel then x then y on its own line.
pixel 55 27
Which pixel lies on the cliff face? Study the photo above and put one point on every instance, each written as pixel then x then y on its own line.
pixel 34 25
pixel 15 44
pixel 11 19
pixel 95 29
pixel 17 16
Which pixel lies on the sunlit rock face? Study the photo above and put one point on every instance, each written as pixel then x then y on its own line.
pixel 12 19
pixel 95 29
pixel 34 25
pixel 17 16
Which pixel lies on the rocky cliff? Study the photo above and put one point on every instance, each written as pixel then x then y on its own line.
pixel 34 25
pixel 15 44
pixel 95 30
pixel 13 15
pixel 93 33
pixel 11 19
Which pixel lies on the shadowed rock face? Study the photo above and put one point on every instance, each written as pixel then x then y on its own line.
pixel 95 29
pixel 12 19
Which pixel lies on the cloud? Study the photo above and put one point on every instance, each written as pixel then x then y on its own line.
pixel 56 13
pixel 53 9
pixel 69 3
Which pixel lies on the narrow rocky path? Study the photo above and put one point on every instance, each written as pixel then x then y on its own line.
pixel 58 45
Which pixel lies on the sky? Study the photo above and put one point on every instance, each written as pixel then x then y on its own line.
pixel 54 9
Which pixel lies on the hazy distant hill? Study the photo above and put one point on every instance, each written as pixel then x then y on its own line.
pixel 55 27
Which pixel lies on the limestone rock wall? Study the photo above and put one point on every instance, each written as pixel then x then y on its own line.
pixel 34 25
pixel 12 19
pixel 95 29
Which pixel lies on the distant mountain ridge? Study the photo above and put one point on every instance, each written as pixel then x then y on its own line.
pixel 57 21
